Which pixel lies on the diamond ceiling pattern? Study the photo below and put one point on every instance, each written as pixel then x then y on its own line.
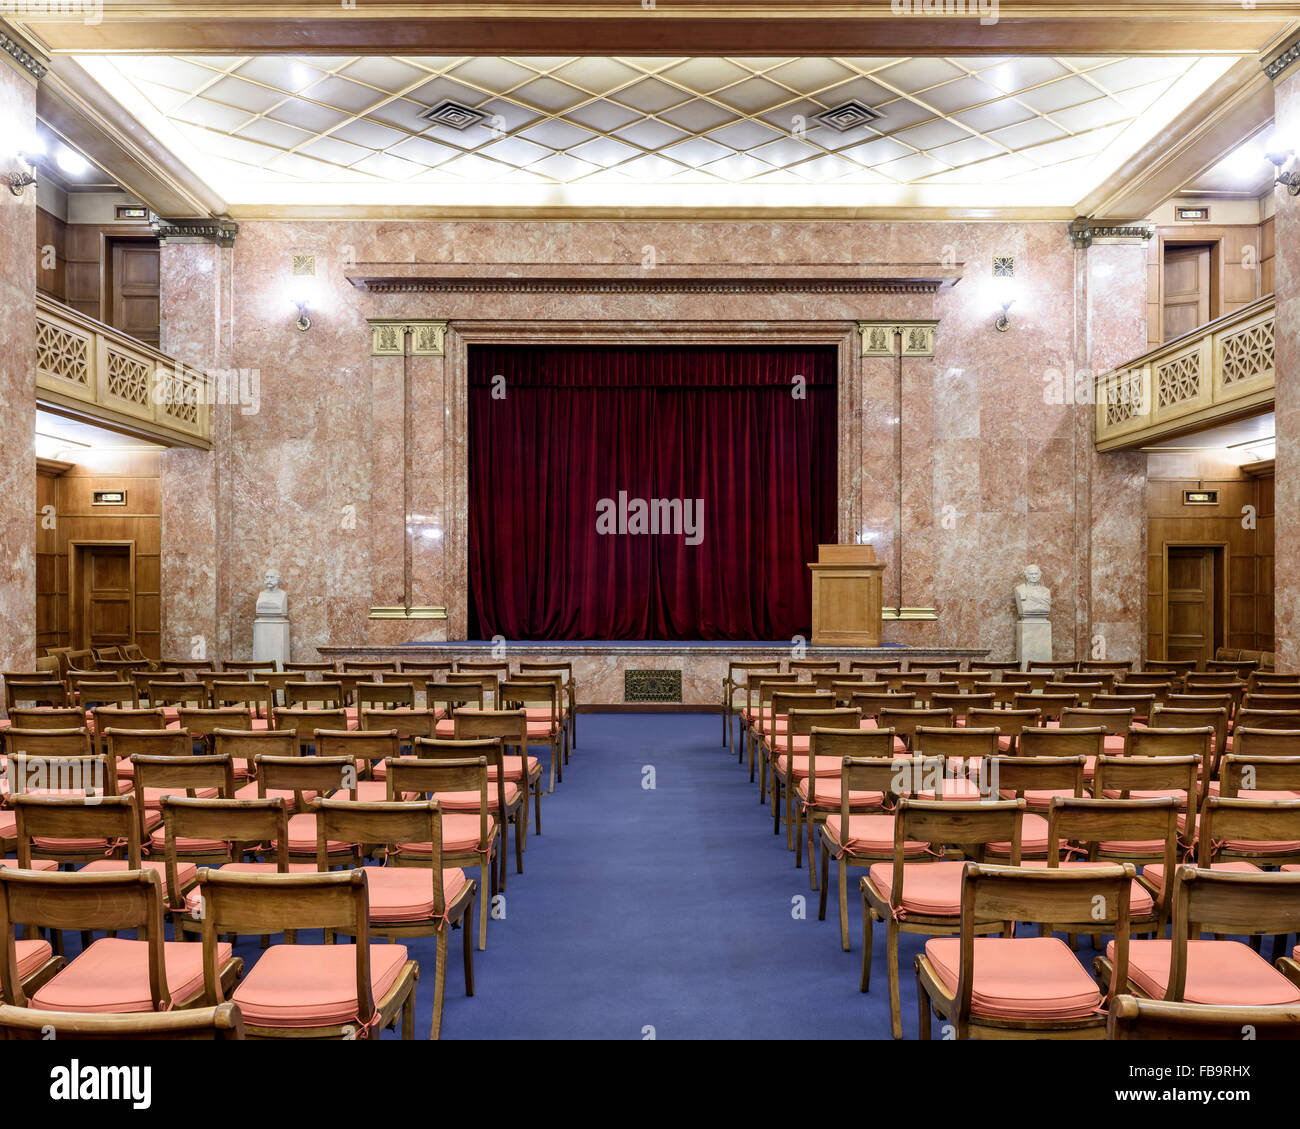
pixel 275 129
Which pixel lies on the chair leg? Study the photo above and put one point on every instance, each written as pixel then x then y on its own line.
pixel 537 807
pixel 891 962
pixel 776 803
pixel 439 983
pixel 798 837
pixel 864 979
pixel 922 1009
pixel 812 854
pixel 554 758
pixel 821 907
pixel 482 911
pixel 467 946
pixel 842 877
pixel 789 812
pixel 521 819
pixel 408 1015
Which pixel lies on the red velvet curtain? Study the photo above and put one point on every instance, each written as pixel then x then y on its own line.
pixel 742 439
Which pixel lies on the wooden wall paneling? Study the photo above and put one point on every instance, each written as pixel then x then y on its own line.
pixel 1266 257
pixel 51 243
pixel 50 627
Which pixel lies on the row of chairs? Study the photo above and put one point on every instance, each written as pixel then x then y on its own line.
pixel 943 803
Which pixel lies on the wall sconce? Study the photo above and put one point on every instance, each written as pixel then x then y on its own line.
pixel 304 321
pixel 1290 180
pixel 1004 276
pixel 23 177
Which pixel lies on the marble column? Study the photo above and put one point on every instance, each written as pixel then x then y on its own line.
pixel 195 526
pixel 1286 581
pixel 17 381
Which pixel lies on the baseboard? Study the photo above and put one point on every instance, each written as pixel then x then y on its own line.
pixel 648 707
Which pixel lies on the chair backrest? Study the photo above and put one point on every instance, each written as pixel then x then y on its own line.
pixel 236 823
pixel 306 668
pixel 934 664
pixel 1231 666
pixel 871 702
pixel 113 819
pixel 1105 679
pixel 305 774
pixel 47 693
pixel 783 701
pixel 385 695
pixel 428 669
pixel 249 744
pixel 453 695
pixel 1026 773
pixel 258 697
pixel 1150 774
pixel 889 775
pixel 432 771
pixel 92 694
pixel 177 693
pixel 1248 773
pixel 1243 821
pixel 1084 690
pixel 1134 1017
pixel 1182 666
pixel 1116 722
pixel 1248 742
pixel 274 903
pixel 317 695
pixel 737 670
pixel 1258 719
pixel 475 666
pixel 47 717
pixel 1053 665
pixel 828 665
pixel 961 704
pixel 924 690
pixel 905 722
pixel 304 721
pixel 1050 705
pixel 761 686
pixel 387 824
pixel 517 693
pixel 120 900
pixel 1213 678
pixel 48 743
pixel 409 723
pixel 219 1024
pixel 1010 723
pixel 1271 702
pixel 1194 717
pixel 125 743
pixel 856 744
pixel 1004 693
pixel 1090 822
pixel 1087 896
pixel 1198 743
pixel 801 722
pixel 967 744
pixel 510 725
pixel 368 747
pixel 893 665
pixel 202 724
pixel 942 823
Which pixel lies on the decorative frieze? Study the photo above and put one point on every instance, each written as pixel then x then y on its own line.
pixel 22 58
pixel 917 337
pixel 1085 232
pixel 388 337
pixel 221 232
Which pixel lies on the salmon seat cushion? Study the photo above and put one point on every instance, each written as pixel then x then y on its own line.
pixel 1221 973
pixel 1019 977
pixel 113 975
pixel 313 985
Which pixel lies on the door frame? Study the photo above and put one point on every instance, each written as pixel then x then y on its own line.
pixel 1221 583
pixel 75 626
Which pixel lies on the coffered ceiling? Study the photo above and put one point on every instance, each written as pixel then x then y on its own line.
pixel 970 132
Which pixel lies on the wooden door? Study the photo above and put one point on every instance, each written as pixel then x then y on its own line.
pixel 1186 289
pixel 134 289
pixel 1190 605
pixel 106 596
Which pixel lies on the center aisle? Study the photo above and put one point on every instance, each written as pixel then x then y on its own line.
pixel 658 897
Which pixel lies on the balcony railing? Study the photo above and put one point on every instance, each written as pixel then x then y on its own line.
pixel 1219 371
pixel 90 367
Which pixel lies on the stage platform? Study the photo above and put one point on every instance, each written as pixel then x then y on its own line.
pixel 639 675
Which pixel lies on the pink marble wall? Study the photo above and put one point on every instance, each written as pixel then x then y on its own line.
pixel 1286 577
pixel 17 389
pixel 991 468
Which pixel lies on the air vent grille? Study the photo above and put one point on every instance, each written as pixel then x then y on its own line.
pixel 849 115
pixel 454 115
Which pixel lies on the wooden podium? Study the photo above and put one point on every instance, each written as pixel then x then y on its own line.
pixel 846 596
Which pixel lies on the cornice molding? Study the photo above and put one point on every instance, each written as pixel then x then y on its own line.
pixel 1281 63
pixel 648 285
pixel 22 58
pixel 1085 232
pixel 221 232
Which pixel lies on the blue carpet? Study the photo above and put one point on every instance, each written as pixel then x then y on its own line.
pixel 671 909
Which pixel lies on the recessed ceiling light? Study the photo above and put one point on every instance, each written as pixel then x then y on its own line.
pixel 74 164
pixel 454 115
pixel 848 115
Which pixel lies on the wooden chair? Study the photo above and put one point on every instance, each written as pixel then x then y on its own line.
pixel 1223 972
pixel 233 829
pixel 402 901
pixel 25 1024
pixel 894 666
pixel 409 723
pixel 790 757
pixel 961 704
pixel 243 746
pixel 256 697
pixel 112 974
pixel 992 1000
pixel 1055 666
pixel 369 749
pixel 249 666
pixel 1145 778
pixel 735 690
pixel 818 793
pixel 309 668
pixel 511 726
pixel 1240 668
pixel 1084 690
pixel 189 664
pixel 759 688
pixel 904 722
pixel 569 701
pixel 178 693
pixel 771 730
pixel 867 837
pixel 1009 724
pixel 309 778
pixel 1259 832
pixel 385 695
pixel 348 991
pixel 208 776
pixel 201 724
pixel 1140 704
pixel 932 904
pixel 815 666
pixel 871 702
pixel 924 691
pixel 1132 1017
pixel 540 712
pixel 1051 706
pixel 1182 717
pixel 34 694
pixel 541 703
pixel 471 835
pixel 507 801
pixel 1004 693
pixel 1102 680
pixel 1118 666
pixel 934 664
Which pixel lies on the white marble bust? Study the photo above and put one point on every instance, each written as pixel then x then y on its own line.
pixel 1033 600
pixel 272 600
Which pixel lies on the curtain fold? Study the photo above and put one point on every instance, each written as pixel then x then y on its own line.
pixel 743 439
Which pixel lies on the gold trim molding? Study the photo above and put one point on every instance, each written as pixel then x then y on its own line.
pixel 897 614
pixel 388 337
pixel 408 613
pixel 878 337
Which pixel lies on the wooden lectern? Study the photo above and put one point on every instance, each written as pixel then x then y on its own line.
pixel 846 596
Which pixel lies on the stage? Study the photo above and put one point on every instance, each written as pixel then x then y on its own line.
pixel 683 675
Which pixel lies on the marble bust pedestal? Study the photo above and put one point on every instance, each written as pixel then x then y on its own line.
pixel 1033 639
pixel 271 625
